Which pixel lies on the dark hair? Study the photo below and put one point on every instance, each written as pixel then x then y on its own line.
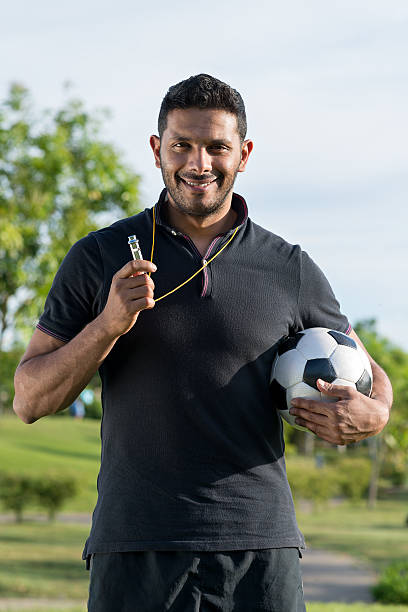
pixel 203 91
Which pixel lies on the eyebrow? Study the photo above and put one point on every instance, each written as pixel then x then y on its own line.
pixel 215 141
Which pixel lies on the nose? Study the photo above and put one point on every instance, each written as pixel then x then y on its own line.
pixel 199 161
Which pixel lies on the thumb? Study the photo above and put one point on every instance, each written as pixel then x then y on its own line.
pixel 330 389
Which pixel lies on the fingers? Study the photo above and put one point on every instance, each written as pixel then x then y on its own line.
pixel 135 281
pixel 143 291
pixel 341 391
pixel 133 286
pixel 138 266
pixel 306 406
pixel 324 406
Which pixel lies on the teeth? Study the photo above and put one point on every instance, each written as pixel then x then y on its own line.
pixel 198 184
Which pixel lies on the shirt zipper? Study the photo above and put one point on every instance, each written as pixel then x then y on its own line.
pixel 204 261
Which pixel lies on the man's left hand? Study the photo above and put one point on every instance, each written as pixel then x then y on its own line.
pixel 350 418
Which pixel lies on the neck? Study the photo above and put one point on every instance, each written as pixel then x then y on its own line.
pixel 204 228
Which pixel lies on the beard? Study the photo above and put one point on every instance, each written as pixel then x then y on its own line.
pixel 198 205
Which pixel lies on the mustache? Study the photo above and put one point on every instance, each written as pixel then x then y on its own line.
pixel 199 177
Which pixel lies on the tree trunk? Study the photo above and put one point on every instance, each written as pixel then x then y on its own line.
pixel 375 445
pixel 3 320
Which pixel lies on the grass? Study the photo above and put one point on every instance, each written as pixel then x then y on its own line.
pixel 310 607
pixel 376 536
pixel 356 607
pixel 51 608
pixel 58 444
pixel 80 608
pixel 40 560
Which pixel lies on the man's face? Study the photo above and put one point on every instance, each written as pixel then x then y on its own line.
pixel 200 154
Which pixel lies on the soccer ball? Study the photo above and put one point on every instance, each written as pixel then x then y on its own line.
pixel 315 353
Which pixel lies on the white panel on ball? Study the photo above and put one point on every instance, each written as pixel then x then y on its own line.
pixel 289 368
pixel 348 362
pixel 315 343
pixel 365 360
pixel 302 390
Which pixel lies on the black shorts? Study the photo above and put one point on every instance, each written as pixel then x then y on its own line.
pixel 267 580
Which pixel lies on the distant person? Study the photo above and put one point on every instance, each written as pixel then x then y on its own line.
pixel 194 509
pixel 77 409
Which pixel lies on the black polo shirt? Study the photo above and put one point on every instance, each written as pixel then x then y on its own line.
pixel 192 446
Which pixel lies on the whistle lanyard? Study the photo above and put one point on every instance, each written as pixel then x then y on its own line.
pixel 195 273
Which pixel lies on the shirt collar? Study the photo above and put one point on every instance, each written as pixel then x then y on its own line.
pixel 238 204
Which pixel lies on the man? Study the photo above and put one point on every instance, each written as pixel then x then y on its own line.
pixel 194 510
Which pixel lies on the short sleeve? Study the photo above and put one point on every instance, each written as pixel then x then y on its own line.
pixel 317 305
pixel 74 298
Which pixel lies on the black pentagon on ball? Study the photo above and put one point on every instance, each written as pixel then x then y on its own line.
pixel 289 343
pixel 318 368
pixel 364 383
pixel 278 395
pixel 343 339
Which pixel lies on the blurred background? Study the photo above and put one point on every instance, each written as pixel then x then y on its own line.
pixel 326 92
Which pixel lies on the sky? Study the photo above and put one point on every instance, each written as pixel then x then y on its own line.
pixel 326 92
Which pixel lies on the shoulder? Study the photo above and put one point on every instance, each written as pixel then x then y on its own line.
pixel 139 222
pixel 111 239
pixel 267 243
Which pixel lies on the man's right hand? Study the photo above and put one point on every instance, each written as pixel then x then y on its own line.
pixel 131 291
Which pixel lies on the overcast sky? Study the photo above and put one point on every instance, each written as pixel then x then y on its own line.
pixel 326 90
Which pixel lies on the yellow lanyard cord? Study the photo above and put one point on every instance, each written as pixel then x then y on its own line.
pixel 195 273
pixel 154 232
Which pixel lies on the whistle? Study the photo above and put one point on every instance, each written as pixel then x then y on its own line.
pixel 134 247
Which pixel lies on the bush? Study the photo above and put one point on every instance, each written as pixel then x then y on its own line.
pixel 393 584
pixel 16 493
pixel 312 483
pixel 396 473
pixel 353 475
pixel 347 477
pixel 52 491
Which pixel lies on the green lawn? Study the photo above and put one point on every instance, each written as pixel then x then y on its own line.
pixel 42 560
pixel 337 607
pixel 58 444
pixel 311 607
pixel 59 609
pixel 376 536
pixel 79 608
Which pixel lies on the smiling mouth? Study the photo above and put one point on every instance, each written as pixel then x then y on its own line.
pixel 197 185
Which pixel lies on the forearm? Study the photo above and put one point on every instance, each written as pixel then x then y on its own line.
pixel 382 393
pixel 48 383
pixel 52 374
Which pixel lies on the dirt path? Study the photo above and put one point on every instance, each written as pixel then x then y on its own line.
pixel 331 576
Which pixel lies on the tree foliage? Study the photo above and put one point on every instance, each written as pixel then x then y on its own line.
pixel 20 491
pixel 394 439
pixel 58 180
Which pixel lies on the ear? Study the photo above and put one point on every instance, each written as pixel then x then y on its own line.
pixel 247 147
pixel 155 144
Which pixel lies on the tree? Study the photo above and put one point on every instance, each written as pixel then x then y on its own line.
pixel 390 448
pixel 9 361
pixel 16 493
pixel 52 492
pixel 58 181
